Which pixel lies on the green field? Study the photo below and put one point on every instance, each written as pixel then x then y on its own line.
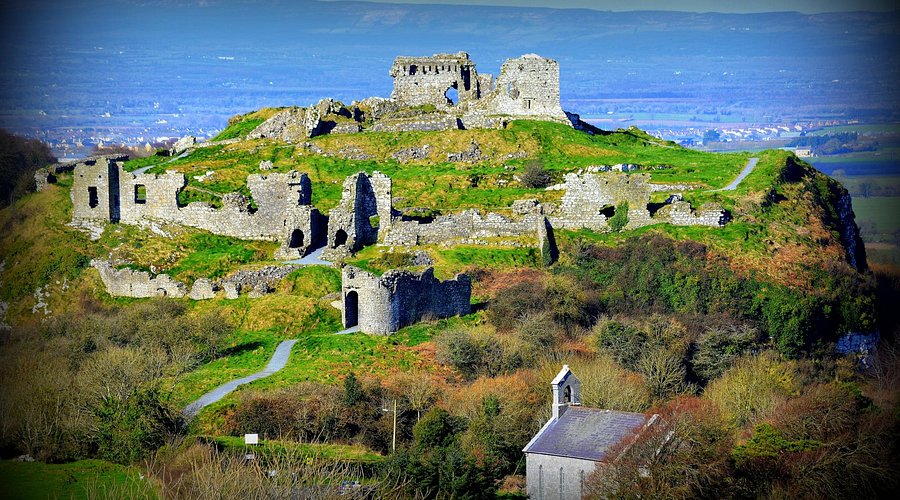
pixel 884 211
pixel 82 479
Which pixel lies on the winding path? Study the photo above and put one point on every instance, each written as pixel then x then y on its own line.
pixel 278 361
pixel 751 164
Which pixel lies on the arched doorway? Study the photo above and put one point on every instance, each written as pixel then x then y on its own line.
pixel 296 239
pixel 340 238
pixel 351 309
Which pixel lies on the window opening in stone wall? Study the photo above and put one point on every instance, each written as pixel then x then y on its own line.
pixel 351 309
pixel 608 211
pixel 527 103
pixel 93 199
pixel 296 239
pixel 452 95
pixel 340 238
pixel 413 69
pixel 140 194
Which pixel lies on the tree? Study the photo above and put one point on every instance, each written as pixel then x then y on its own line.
pixel 535 175
pixel 711 135
pixel 19 159
pixel 683 453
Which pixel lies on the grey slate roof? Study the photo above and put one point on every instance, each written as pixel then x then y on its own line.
pixel 586 433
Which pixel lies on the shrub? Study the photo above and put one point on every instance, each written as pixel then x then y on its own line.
pixel 514 302
pixel 535 175
pixel 624 343
pixel 753 388
pixel 720 346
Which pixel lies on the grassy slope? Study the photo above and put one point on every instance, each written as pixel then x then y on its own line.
pixel 781 240
pixel 449 186
pixel 76 480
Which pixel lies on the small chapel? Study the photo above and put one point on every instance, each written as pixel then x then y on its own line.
pixel 568 448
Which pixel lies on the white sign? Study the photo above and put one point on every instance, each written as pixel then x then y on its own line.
pixel 251 438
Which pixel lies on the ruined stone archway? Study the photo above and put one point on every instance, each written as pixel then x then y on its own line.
pixel 340 238
pixel 296 240
pixel 351 309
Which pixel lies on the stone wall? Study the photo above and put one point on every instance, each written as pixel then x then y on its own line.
pixel 556 478
pixel 139 284
pixel 352 224
pixel 588 195
pixel 527 86
pixel 467 227
pixel 283 212
pixel 384 304
pixel 426 80
pixel 95 192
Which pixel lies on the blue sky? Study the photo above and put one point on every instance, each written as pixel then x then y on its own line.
pixel 731 6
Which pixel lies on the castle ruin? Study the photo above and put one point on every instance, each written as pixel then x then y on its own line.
pixel 384 304
pixel 102 192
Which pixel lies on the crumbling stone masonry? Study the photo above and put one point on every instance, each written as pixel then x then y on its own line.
pixel 139 284
pixel 103 192
pixel 384 304
pixel 527 87
pixel 448 84
pixel 362 215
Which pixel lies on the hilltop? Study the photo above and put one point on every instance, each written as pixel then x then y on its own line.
pixel 666 275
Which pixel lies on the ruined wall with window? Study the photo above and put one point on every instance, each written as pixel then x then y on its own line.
pixel 427 80
pixel 103 192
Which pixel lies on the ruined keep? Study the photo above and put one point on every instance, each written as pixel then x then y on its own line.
pixel 439 92
pixel 102 192
pixel 384 304
pixel 527 87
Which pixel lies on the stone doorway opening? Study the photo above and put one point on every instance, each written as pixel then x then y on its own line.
pixel 351 309
pixel 296 239
pixel 340 238
pixel 93 199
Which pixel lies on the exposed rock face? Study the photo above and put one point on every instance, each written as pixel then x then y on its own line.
pixel 139 284
pixel 383 305
pixel 266 165
pixel 856 251
pixel 232 290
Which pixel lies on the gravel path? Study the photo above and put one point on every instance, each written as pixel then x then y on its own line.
pixel 278 361
pixel 312 259
pixel 751 164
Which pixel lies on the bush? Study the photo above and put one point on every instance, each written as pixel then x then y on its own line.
pixel 624 343
pixel 720 346
pixel 133 428
pixel 516 301
pixel 535 175
pixel 753 388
